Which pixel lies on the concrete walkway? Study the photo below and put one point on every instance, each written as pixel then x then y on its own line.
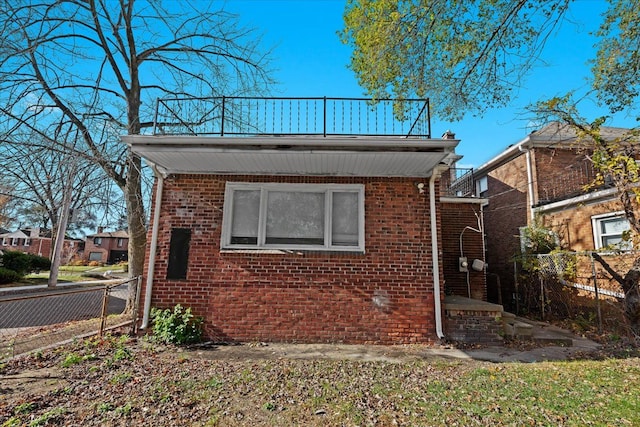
pixel 549 343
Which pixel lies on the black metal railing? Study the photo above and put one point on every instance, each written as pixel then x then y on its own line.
pixel 248 116
pixel 457 182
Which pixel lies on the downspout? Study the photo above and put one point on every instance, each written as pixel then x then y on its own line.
pixel 434 250
pixel 153 248
pixel 527 155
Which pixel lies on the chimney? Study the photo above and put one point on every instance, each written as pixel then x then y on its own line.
pixel 100 230
pixel 448 135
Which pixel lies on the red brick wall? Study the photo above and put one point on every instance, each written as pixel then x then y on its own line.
pixel 560 173
pixel 455 217
pixel 382 296
pixel 506 212
pixel 107 245
pixel 573 225
pixel 42 246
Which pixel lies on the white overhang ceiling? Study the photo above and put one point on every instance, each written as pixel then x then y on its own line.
pixel 331 156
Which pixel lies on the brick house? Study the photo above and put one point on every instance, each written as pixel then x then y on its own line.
pixel 544 175
pixel 37 241
pixel 110 247
pixel 308 235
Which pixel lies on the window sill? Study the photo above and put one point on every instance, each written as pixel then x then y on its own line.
pixel 268 251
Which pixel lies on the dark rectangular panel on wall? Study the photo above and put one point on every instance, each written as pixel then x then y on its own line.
pixel 179 253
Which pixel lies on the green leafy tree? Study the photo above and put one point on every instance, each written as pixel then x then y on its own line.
pixel 616 68
pixel 466 56
pixel 93 69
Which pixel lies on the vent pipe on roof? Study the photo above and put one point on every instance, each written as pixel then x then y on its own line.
pixel 448 135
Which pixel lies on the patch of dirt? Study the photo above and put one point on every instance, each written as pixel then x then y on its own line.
pixel 34 381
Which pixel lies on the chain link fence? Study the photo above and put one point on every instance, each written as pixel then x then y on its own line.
pixel 48 317
pixel 574 287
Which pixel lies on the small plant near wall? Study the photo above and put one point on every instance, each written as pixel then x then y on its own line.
pixel 177 326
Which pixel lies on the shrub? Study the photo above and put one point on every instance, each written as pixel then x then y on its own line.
pixel 95 264
pixel 177 326
pixel 39 262
pixel 76 262
pixel 16 261
pixel 8 276
pixel 22 263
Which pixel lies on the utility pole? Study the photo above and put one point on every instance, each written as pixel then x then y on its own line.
pixel 62 230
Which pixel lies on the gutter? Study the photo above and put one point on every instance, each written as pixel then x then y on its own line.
pixel 153 248
pixel 437 171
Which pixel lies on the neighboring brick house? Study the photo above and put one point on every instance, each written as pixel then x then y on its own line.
pixel 294 236
pixel 37 241
pixel 545 174
pixel 109 247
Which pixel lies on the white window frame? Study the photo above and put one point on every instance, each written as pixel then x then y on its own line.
pixel 598 236
pixel 27 242
pixel 482 185
pixel 14 241
pixel 97 241
pixel 265 188
pixel 5 241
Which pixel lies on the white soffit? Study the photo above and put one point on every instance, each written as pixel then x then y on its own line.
pixel 284 156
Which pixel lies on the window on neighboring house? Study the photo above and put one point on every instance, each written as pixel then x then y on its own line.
pixel 97 241
pixel 120 242
pixel 95 256
pixel 294 216
pixel 27 242
pixel 5 241
pixel 14 242
pixel 609 230
pixel 482 185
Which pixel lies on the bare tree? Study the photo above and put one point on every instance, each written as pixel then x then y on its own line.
pixel 38 176
pixel 95 67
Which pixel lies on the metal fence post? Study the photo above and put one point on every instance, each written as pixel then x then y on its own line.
pixel 595 287
pixel 134 315
pixel 224 98
pixel 103 314
pixel 515 282
pixel 541 295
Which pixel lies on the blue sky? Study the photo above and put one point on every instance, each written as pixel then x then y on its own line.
pixel 311 61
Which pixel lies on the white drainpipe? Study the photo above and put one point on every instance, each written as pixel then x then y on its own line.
pixel 527 154
pixel 434 250
pixel 152 249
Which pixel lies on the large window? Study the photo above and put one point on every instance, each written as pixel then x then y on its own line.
pixel 609 230
pixel 294 216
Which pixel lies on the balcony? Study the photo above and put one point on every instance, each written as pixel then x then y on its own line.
pixel 247 116
pixel 457 182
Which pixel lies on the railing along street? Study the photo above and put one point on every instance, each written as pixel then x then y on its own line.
pixel 45 317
